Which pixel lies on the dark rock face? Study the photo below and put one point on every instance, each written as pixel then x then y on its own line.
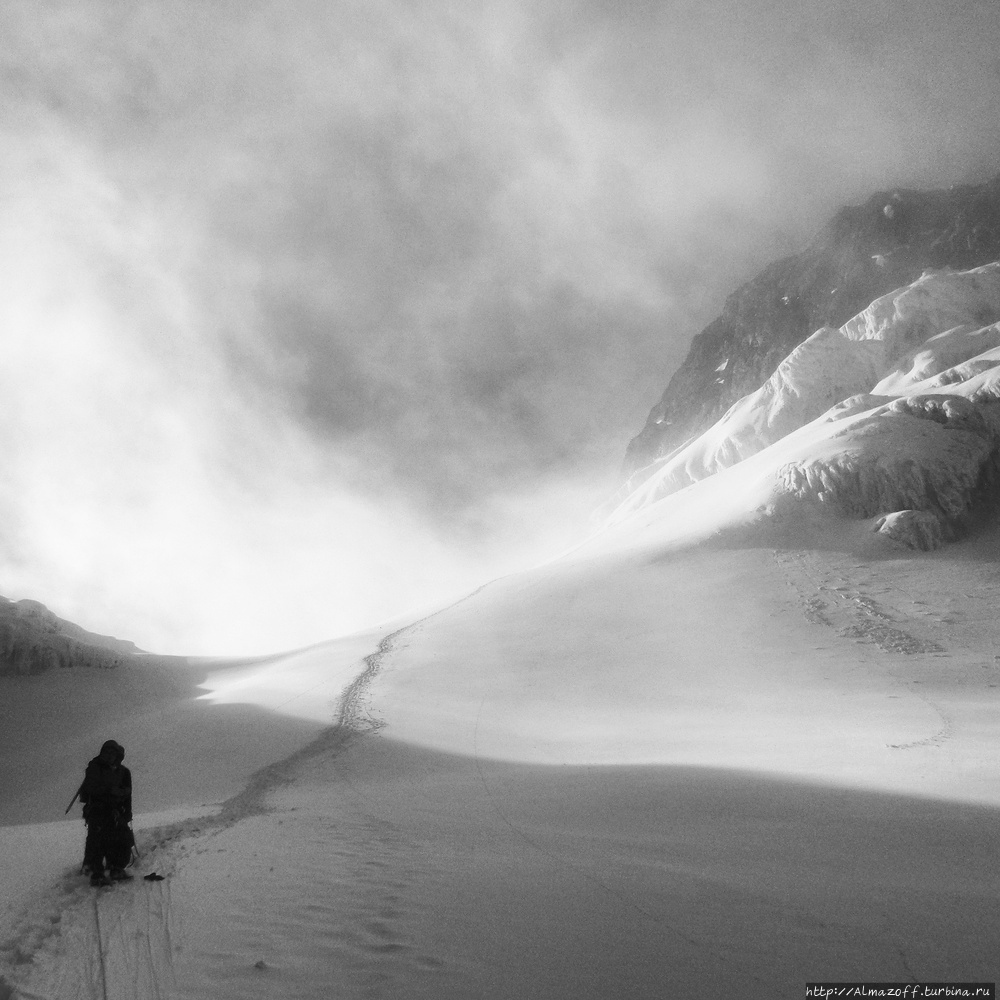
pixel 864 252
pixel 34 640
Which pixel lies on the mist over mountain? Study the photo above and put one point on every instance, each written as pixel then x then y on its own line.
pixel 33 640
pixel 324 327
pixel 316 311
pixel 859 379
pixel 861 375
pixel 864 252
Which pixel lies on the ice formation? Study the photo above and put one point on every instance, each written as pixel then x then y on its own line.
pixel 895 412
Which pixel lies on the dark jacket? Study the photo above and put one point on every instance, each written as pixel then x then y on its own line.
pixel 106 792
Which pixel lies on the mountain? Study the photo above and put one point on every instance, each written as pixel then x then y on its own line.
pixel 740 739
pixel 895 415
pixel 34 640
pixel 865 252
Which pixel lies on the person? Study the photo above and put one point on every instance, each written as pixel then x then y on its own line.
pixel 106 794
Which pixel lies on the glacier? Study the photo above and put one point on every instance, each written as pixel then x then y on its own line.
pixel 897 411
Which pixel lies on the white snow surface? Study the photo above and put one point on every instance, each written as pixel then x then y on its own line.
pixel 938 336
pixel 736 742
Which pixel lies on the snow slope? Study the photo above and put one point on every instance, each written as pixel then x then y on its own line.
pixel 849 415
pixel 737 741
pixel 681 775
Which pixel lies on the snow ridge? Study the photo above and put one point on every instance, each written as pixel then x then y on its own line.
pixel 898 409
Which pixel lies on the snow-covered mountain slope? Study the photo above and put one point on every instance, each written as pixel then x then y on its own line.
pixel 863 253
pixel 898 409
pixel 33 640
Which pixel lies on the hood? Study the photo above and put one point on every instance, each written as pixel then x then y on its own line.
pixel 117 747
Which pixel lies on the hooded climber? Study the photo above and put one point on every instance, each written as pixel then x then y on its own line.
pixel 106 794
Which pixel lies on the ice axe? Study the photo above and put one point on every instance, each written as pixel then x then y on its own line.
pixel 133 849
pixel 70 806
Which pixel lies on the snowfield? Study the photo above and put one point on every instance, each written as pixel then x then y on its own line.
pixel 741 739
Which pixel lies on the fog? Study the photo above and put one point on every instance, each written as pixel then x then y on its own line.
pixel 316 312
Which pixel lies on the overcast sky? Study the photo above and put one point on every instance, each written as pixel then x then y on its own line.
pixel 318 309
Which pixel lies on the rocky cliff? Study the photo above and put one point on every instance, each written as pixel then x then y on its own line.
pixel 866 251
pixel 33 640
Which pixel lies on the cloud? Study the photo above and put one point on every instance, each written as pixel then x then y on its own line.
pixel 322 308
pixel 150 488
